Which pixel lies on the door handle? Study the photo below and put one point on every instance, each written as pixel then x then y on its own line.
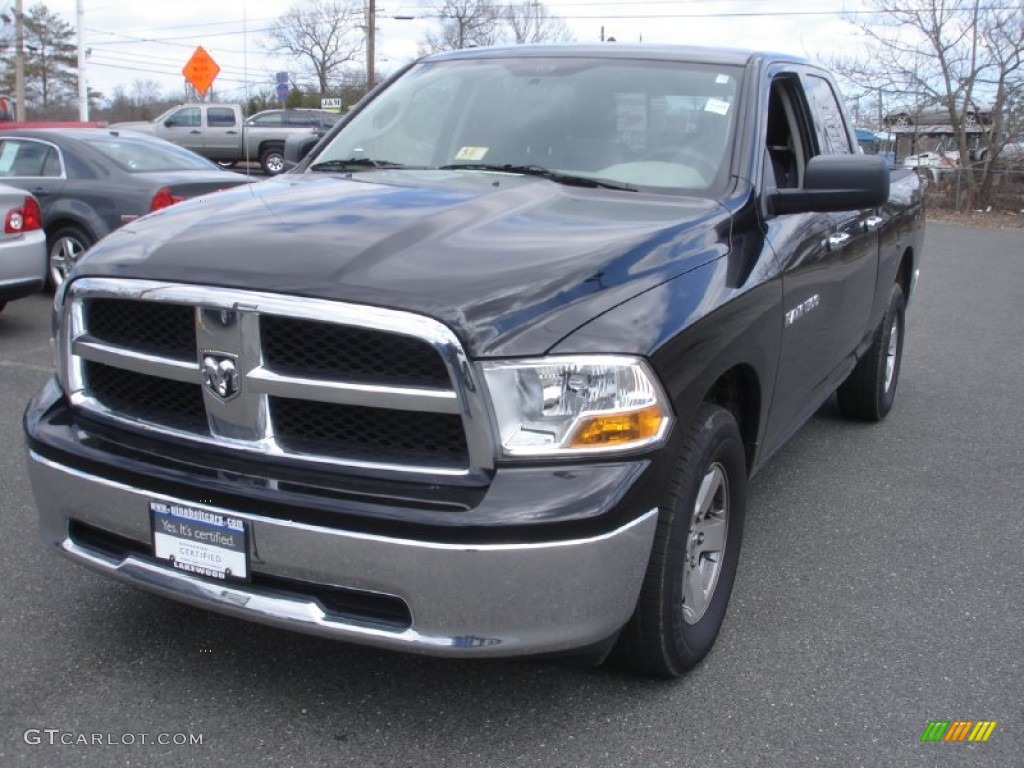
pixel 40 191
pixel 872 223
pixel 232 133
pixel 838 240
pixel 196 132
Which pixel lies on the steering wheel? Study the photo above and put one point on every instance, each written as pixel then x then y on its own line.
pixel 684 156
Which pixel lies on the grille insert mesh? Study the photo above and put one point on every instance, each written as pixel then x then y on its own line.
pixel 369 434
pixel 345 353
pixel 173 404
pixel 156 328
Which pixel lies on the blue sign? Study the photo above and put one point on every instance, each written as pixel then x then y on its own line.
pixel 281 78
pixel 282 91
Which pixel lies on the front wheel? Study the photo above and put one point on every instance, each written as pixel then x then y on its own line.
pixel 272 161
pixel 65 246
pixel 870 390
pixel 695 552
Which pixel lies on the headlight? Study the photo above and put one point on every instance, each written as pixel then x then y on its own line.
pixel 570 405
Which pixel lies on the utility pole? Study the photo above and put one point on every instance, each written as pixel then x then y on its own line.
pixel 19 63
pixel 83 86
pixel 371 34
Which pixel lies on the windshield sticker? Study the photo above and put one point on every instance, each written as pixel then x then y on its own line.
pixel 7 157
pixel 722 79
pixel 717 106
pixel 474 154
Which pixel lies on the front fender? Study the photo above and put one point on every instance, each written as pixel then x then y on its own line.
pixel 694 329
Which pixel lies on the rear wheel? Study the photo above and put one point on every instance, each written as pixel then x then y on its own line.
pixel 695 553
pixel 272 161
pixel 65 246
pixel 226 164
pixel 870 390
pixel 2 305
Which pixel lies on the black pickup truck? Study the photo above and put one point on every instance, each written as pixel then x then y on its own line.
pixel 488 373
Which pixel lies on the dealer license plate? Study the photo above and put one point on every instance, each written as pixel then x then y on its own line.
pixel 200 541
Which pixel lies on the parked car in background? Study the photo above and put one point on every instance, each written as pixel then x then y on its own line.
pixel 22 245
pixel 298 145
pixel 91 181
pixel 220 133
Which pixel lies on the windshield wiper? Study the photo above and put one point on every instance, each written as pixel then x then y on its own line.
pixel 545 173
pixel 357 164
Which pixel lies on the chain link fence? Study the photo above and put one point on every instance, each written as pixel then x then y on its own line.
pixel 949 189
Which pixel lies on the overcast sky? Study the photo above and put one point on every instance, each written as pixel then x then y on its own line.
pixel 152 39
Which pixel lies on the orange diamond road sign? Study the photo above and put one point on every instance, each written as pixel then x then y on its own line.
pixel 201 70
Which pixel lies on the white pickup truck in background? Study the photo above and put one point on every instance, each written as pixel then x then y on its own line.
pixel 221 133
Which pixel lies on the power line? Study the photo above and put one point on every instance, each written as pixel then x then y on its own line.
pixel 130 39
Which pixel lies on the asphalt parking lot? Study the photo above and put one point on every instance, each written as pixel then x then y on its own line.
pixel 880 588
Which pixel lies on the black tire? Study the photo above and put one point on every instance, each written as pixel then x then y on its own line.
pixel 2 305
pixel 226 164
pixel 870 390
pixel 662 639
pixel 64 247
pixel 272 160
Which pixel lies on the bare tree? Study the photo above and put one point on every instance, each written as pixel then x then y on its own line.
pixel 464 24
pixel 323 35
pixel 532 22
pixel 960 56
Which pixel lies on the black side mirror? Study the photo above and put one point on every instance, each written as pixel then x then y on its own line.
pixel 836 183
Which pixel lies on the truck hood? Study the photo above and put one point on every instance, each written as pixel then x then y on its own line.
pixel 512 264
pixel 141 126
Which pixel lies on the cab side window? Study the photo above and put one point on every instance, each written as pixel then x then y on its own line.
pixel 829 124
pixel 786 141
pixel 220 117
pixel 184 118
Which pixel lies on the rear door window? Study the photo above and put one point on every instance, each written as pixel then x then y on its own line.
pixel 25 159
pixel 220 117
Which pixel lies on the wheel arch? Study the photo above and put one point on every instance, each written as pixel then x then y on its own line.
pixel 268 145
pixel 905 272
pixel 70 221
pixel 738 391
pixel 74 213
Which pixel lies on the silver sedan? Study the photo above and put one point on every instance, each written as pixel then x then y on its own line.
pixel 22 245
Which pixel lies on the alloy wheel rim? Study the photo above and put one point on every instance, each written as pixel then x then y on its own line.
pixel 705 543
pixel 64 254
pixel 890 354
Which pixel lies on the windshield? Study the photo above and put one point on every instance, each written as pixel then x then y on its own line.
pixel 648 124
pixel 137 155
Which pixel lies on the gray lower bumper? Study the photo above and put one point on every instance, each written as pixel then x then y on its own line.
pixel 464 600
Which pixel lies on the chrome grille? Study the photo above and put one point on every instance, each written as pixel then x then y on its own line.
pixel 305 379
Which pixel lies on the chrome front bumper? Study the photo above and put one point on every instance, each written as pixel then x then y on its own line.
pixel 464 599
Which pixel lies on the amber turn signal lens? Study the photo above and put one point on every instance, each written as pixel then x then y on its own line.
pixel 617 428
